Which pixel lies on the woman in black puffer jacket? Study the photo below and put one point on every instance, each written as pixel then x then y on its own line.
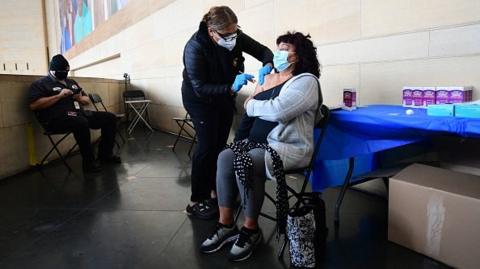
pixel 212 76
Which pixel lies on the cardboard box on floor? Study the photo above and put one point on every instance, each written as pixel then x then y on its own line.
pixel 436 212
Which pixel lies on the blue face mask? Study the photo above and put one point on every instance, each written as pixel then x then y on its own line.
pixel 280 60
pixel 229 45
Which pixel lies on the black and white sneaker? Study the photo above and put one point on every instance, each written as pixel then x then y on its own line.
pixel 245 244
pixel 219 237
pixel 205 210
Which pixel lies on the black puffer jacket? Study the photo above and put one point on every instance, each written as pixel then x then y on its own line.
pixel 209 69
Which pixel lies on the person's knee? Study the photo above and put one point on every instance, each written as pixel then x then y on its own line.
pixel 107 119
pixel 110 118
pixel 226 156
pixel 257 155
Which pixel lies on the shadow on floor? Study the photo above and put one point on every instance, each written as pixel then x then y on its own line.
pixel 131 216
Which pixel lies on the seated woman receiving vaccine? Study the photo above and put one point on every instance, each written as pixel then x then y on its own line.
pixel 276 133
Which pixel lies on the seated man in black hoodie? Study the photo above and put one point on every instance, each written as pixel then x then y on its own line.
pixel 57 102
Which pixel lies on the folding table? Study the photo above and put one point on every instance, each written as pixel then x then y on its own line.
pixel 140 108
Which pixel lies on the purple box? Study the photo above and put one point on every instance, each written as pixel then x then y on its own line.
pixel 429 96
pixel 350 98
pixel 417 95
pixel 441 95
pixel 459 94
pixel 407 96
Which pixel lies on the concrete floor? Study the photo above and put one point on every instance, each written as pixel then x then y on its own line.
pixel 131 216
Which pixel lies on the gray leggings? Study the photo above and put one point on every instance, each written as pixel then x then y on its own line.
pixel 228 185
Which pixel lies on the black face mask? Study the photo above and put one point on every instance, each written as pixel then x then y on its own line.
pixel 61 75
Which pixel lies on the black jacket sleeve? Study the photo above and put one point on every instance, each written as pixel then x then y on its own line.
pixel 195 67
pixel 257 50
pixel 243 130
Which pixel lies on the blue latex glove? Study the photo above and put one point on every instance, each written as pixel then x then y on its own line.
pixel 267 69
pixel 240 80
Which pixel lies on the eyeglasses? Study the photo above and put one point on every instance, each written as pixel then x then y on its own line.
pixel 230 36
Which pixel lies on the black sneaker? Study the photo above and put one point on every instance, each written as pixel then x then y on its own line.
pixel 189 209
pixel 219 237
pixel 205 210
pixel 245 244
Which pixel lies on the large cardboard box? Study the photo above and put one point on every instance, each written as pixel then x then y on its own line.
pixel 436 212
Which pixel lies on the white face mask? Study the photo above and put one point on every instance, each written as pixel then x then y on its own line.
pixel 229 45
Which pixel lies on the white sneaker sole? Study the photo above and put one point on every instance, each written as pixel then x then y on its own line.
pixel 255 245
pixel 228 240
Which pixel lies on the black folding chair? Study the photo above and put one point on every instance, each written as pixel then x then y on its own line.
pixel 185 122
pixel 97 100
pixel 305 172
pixel 55 148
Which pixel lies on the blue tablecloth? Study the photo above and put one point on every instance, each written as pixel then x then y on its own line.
pixel 362 132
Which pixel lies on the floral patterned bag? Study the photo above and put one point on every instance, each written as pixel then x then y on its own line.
pixel 307 231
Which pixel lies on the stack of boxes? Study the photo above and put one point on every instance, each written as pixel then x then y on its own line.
pixel 424 96
pixel 442 101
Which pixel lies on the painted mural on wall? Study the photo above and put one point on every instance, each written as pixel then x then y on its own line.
pixel 78 18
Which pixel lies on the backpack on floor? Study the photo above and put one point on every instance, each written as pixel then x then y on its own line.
pixel 307 232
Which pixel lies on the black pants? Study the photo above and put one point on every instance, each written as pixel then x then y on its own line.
pixel 212 124
pixel 81 124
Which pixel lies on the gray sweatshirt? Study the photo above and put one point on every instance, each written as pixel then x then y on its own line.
pixel 294 109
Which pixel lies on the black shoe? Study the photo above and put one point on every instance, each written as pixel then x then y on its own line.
pixel 91 167
pixel 205 210
pixel 110 160
pixel 189 210
pixel 219 237
pixel 247 241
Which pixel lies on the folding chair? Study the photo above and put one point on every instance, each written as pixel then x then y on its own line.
pixel 182 124
pixel 136 105
pixel 55 148
pixel 96 99
pixel 304 171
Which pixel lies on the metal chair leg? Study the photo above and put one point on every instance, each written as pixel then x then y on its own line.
pixel 59 153
pixel 40 164
pixel 346 184
pixel 70 150
pixel 282 249
pixel 194 140
pixel 179 134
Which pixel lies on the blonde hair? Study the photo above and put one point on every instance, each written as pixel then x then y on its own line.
pixel 219 18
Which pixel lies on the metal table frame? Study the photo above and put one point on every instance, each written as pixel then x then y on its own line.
pixel 140 107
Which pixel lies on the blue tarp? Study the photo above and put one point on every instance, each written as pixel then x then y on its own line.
pixel 362 132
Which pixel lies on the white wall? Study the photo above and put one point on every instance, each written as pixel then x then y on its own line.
pixel 22 37
pixel 377 46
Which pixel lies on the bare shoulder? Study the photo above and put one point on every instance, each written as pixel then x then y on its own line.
pixel 270 81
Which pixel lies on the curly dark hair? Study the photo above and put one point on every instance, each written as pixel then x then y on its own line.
pixel 305 50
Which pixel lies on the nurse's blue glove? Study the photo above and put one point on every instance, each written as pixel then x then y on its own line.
pixel 240 80
pixel 267 69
